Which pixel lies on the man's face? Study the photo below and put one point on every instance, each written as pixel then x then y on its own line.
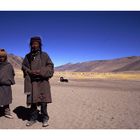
pixel 2 58
pixel 35 46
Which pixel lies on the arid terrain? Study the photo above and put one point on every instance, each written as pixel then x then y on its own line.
pixel 101 94
pixel 82 104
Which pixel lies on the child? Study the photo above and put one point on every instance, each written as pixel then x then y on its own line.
pixel 6 80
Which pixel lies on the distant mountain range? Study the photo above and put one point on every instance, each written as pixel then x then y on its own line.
pixel 125 64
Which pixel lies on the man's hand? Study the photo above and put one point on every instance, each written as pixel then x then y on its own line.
pixel 35 72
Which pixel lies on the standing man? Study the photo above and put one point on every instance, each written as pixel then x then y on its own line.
pixel 38 69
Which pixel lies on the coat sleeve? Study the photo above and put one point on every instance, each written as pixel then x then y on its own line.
pixel 7 83
pixel 8 77
pixel 47 70
pixel 11 74
pixel 25 66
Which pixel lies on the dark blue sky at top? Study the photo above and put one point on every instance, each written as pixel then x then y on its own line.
pixel 70 36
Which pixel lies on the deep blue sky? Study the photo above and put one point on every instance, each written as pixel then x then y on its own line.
pixel 72 36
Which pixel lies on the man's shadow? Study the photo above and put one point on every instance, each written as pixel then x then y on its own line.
pixel 1 111
pixel 24 113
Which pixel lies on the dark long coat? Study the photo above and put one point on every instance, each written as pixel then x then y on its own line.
pixel 38 90
pixel 6 80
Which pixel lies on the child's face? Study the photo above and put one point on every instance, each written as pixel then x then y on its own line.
pixel 2 58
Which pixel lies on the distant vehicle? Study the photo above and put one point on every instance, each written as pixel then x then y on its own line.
pixel 63 80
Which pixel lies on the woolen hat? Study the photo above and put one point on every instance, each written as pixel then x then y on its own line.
pixel 37 39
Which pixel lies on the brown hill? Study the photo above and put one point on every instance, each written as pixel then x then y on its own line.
pixel 115 65
pixel 16 61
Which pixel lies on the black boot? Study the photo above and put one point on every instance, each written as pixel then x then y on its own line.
pixel 33 115
pixel 45 116
pixel 7 112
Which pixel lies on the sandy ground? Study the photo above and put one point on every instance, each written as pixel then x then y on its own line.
pixel 82 104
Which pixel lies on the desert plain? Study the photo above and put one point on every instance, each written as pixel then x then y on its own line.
pixel 87 101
